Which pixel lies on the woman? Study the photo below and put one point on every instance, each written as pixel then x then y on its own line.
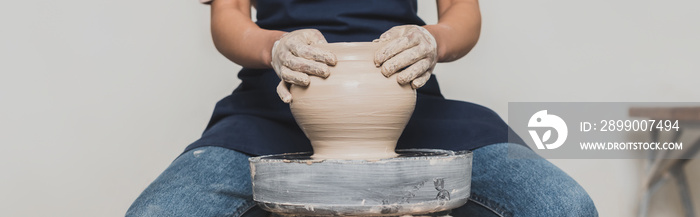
pixel 211 178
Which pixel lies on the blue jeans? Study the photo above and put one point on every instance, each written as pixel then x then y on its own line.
pixel 214 181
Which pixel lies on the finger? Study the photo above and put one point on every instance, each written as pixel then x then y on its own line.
pixel 393 48
pixel 306 66
pixel 420 81
pixel 283 92
pixel 313 53
pixel 414 71
pixel 313 36
pixel 401 60
pixel 387 36
pixel 294 77
pixel 394 32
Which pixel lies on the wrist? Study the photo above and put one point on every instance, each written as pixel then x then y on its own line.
pixel 268 40
pixel 437 31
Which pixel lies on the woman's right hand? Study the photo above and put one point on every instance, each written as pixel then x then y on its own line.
pixel 294 59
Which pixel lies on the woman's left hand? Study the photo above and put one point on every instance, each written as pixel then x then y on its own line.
pixel 411 48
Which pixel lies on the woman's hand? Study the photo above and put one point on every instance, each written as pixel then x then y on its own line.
pixel 410 49
pixel 294 59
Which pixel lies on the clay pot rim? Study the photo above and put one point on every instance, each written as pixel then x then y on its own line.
pixel 443 154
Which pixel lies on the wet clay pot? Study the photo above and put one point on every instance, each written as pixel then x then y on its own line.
pixel 355 113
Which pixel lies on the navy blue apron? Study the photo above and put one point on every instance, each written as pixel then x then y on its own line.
pixel 255 121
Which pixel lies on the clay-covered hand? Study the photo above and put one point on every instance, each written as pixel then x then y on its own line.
pixel 294 59
pixel 411 48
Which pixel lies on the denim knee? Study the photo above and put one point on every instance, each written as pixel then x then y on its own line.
pixel 207 181
pixel 151 210
pixel 525 187
pixel 569 200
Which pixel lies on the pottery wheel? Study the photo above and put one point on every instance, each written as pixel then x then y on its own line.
pixel 418 181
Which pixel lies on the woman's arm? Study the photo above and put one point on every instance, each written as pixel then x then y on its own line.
pixel 238 38
pixel 242 41
pixel 412 51
pixel 458 28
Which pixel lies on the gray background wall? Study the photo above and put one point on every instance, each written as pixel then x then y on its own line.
pixel 97 97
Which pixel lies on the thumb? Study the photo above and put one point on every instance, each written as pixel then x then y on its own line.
pixel 283 92
pixel 313 36
pixel 394 32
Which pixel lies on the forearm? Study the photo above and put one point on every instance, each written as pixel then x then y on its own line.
pixel 458 28
pixel 238 38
